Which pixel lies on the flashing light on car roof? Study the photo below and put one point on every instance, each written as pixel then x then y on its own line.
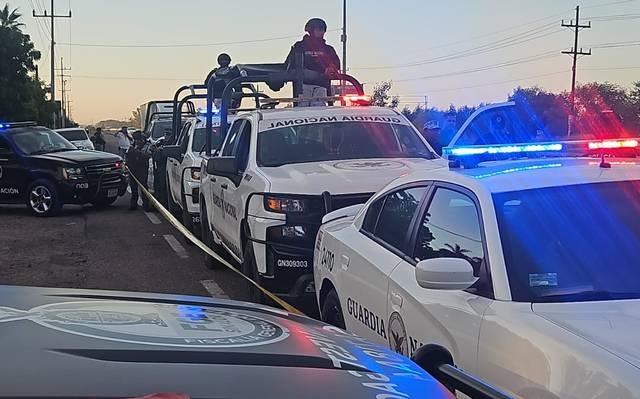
pixel 7 125
pixel 503 149
pixel 610 144
pixel 351 100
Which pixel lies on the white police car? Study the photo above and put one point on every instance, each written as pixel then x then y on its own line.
pixel 279 171
pixel 527 271
pixel 183 169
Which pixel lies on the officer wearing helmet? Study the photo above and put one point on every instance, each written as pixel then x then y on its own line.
pixel 138 163
pixel 317 56
pixel 223 74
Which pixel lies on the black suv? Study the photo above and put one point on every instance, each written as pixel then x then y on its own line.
pixel 41 168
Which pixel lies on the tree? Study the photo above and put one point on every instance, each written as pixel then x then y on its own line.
pixel 8 19
pixel 22 97
pixel 548 110
pixel 381 97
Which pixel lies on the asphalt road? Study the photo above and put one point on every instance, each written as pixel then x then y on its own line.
pixel 111 248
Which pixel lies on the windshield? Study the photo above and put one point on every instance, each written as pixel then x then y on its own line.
pixel 200 139
pixel 503 125
pixel 339 141
pixel 160 128
pixel 572 243
pixel 41 141
pixel 74 135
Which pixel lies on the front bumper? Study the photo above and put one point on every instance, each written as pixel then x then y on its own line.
pixel 85 190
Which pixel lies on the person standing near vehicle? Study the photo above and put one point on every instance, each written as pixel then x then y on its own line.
pixel 124 141
pixel 138 163
pixel 317 56
pixel 98 140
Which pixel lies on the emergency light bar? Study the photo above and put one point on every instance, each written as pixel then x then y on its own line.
pixel 7 125
pixel 503 149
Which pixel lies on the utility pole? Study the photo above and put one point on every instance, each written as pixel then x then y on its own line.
pixel 53 58
pixel 343 38
pixel 575 53
pixel 63 83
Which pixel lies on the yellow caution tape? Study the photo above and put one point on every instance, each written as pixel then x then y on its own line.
pixel 189 235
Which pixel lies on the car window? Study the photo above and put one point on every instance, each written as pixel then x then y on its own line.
pixel 74 135
pixel 396 215
pixel 450 228
pixel 242 149
pixel 184 141
pixel 234 133
pixel 371 218
pixel 183 132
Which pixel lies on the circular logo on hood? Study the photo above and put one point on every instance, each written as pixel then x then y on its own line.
pixel 155 324
pixel 372 164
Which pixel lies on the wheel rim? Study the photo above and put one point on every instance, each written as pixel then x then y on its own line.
pixel 40 199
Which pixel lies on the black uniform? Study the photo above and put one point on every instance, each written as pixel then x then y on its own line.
pixel 98 141
pixel 138 164
pixel 317 56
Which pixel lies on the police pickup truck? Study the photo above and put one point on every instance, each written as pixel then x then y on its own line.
pixel 40 168
pixel 280 171
pixel 183 170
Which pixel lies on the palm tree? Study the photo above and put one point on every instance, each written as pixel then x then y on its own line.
pixel 456 250
pixel 10 19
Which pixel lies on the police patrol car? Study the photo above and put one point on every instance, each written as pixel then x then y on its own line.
pixel 526 270
pixel 40 168
pixel 183 170
pixel 280 170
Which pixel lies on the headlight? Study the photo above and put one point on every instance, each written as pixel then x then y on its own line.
pixel 294 231
pixel 195 174
pixel 121 166
pixel 284 205
pixel 72 173
pixel 289 233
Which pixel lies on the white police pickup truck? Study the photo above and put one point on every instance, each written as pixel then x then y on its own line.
pixel 526 270
pixel 281 170
pixel 183 170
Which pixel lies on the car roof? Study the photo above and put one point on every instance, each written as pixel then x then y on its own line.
pixel 21 129
pixel 524 174
pixel 298 112
pixel 68 129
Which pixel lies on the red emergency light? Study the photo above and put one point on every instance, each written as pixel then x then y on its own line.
pixel 355 100
pixel 609 144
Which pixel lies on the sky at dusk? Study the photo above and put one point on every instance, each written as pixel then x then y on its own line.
pixel 455 52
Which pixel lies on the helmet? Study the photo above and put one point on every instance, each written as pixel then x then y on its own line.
pixel 224 58
pixel 315 23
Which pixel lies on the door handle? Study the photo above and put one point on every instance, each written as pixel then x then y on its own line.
pixel 344 262
pixel 224 186
pixel 396 299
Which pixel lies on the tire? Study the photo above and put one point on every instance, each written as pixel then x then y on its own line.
pixel 171 206
pixel 43 198
pixel 332 311
pixel 207 237
pixel 250 269
pixel 102 202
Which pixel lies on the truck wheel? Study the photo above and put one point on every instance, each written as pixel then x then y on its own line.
pixel 250 269
pixel 43 198
pixel 332 311
pixel 207 237
pixel 171 206
pixel 102 202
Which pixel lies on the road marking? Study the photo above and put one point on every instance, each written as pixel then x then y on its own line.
pixel 176 246
pixel 153 218
pixel 214 289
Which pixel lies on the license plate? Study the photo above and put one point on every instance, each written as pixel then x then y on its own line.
pixel 112 192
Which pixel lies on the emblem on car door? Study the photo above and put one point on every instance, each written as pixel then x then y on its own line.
pixel 398 334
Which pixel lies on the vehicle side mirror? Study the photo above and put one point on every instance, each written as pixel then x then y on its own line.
pixel 222 166
pixel 171 151
pixel 445 274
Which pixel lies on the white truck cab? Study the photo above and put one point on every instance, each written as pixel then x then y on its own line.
pixel 279 171
pixel 183 170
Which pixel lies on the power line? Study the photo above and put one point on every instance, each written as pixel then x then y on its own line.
pixel 186 44
pixel 523 37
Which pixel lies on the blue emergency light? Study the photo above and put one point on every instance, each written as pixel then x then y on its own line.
pixel 502 149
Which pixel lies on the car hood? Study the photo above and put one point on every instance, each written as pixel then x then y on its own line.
pixel 343 177
pixel 88 343
pixel 81 156
pixel 611 325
